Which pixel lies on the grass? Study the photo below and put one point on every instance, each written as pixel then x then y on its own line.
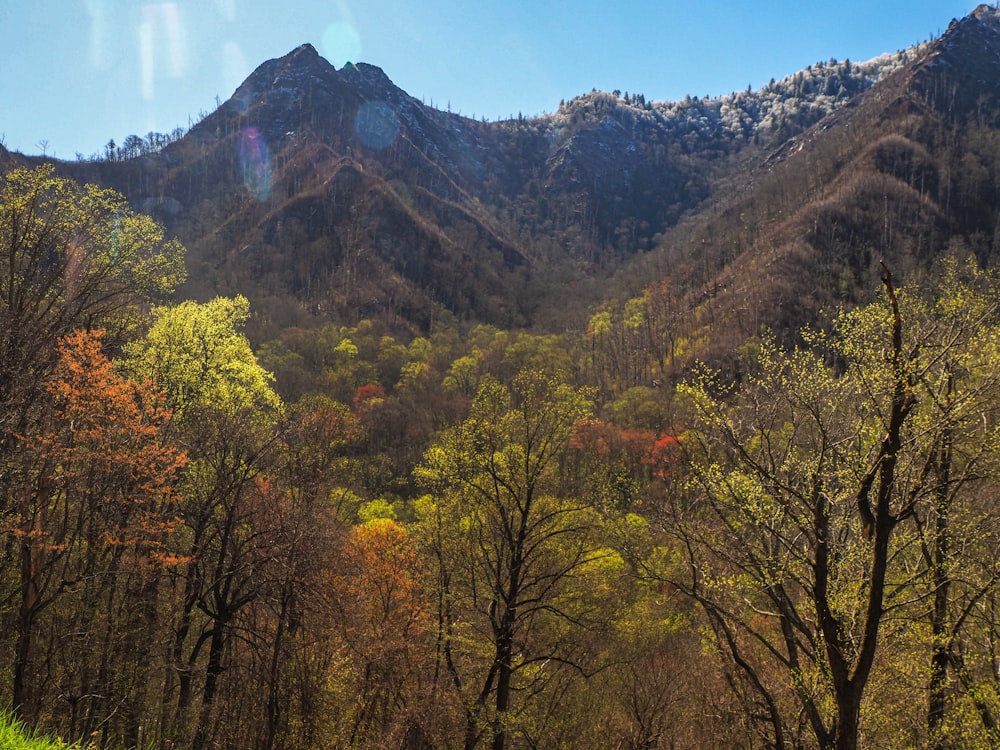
pixel 14 736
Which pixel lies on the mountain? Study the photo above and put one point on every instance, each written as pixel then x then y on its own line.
pixel 9 160
pixel 905 173
pixel 332 195
pixel 340 191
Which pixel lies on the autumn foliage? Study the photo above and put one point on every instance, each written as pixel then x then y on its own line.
pixel 106 443
pixel 625 448
pixel 381 582
pixel 96 511
pixel 384 618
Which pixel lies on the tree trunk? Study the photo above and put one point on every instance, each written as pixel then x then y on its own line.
pixel 940 643
pixel 505 633
pixel 848 714
pixel 505 648
pixel 22 700
pixel 212 673
pixel 185 667
pixel 850 680
pixel 274 671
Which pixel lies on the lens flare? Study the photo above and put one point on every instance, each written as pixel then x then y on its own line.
pixel 146 68
pixel 101 25
pixel 341 43
pixel 173 34
pixel 376 124
pixel 161 33
pixel 255 164
pixel 226 9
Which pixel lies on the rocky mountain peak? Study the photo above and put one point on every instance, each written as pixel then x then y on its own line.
pixel 304 50
pixel 302 90
pixel 986 13
pixel 289 76
pixel 981 24
pixel 962 67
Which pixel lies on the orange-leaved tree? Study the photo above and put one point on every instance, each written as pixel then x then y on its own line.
pixel 96 508
pixel 379 588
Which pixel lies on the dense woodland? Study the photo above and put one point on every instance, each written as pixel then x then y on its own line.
pixel 710 463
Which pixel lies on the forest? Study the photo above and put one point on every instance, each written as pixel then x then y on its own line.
pixel 485 538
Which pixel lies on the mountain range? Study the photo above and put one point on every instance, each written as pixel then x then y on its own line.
pixel 330 195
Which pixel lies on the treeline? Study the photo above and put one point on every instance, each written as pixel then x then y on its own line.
pixel 134 146
pixel 484 538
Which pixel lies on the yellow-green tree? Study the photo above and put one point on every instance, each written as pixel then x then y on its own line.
pixel 198 354
pixel 227 414
pixel 826 495
pixel 509 547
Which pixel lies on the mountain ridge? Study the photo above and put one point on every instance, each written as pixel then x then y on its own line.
pixel 903 175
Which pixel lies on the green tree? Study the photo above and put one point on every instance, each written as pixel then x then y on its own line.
pixel 198 355
pixel 956 527
pixel 815 492
pixel 70 257
pixel 508 545
pixel 228 414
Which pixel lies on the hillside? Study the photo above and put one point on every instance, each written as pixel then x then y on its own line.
pixel 334 195
pixel 904 174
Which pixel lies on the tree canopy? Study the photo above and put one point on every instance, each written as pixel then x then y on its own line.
pixel 198 355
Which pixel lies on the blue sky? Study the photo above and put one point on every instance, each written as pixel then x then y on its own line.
pixel 76 73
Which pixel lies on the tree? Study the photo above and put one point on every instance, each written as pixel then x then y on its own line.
pixel 96 505
pixel 227 413
pixel 798 536
pixel 299 628
pixel 198 355
pixel 70 257
pixel 506 543
pixel 132 146
pixel 956 527
pixel 378 589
